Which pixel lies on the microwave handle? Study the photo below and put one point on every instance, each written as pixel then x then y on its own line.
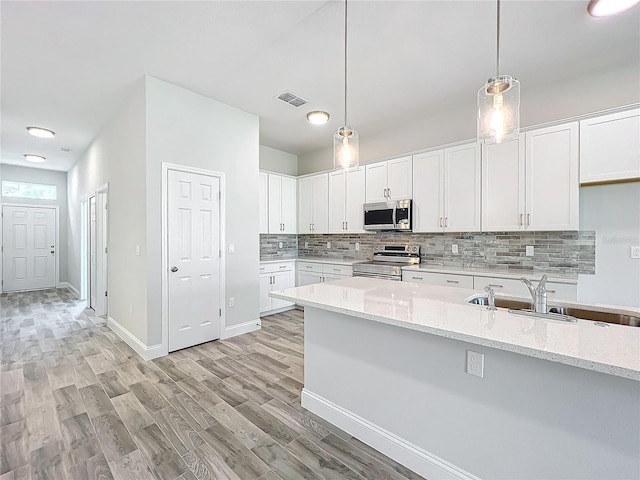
pixel 395 223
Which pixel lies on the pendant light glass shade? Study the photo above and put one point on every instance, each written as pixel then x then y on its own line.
pixel 499 110
pixel 499 102
pixel 346 150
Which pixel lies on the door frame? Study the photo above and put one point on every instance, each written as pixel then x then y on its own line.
pixel 56 255
pixel 164 263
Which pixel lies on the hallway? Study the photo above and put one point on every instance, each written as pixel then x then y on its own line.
pixel 78 403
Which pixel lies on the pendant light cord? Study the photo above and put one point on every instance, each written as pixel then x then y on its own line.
pixel 498 39
pixel 345 62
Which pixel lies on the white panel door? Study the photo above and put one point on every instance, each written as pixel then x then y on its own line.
pixel 93 253
pixel 337 201
pixel 552 178
pixel 305 205
pixel 399 175
pixel 376 180
pixel 28 239
pixel 288 205
pixel 428 208
pixel 321 203
pixel 355 198
pixel 462 195
pixel 503 173
pixel 263 208
pixel 275 203
pixel 194 261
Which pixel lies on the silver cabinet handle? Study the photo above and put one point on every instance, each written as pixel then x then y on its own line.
pixel 417 278
pixel 283 266
pixel 453 281
pixel 346 225
pixel 495 285
pixel 446 222
pixel 388 193
pixel 336 269
pixel 520 223
pixel 440 221
pixel 174 269
pixel 307 266
pixel 528 219
pixel 551 291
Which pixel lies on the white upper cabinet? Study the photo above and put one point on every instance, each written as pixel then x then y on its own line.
pixel 552 178
pixel 446 190
pixel 346 197
pixel 263 207
pixel 313 198
pixel 610 147
pixel 532 183
pixel 282 204
pixel 389 180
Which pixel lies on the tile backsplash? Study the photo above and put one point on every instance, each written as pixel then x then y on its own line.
pixel 561 252
pixel 270 246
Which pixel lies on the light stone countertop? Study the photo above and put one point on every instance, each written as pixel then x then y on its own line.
pixel 492 272
pixel 333 261
pixel 279 260
pixel 443 311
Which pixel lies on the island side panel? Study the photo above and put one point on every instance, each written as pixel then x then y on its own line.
pixel 527 418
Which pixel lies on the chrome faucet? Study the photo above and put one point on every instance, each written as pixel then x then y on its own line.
pixel 538 294
pixel 491 297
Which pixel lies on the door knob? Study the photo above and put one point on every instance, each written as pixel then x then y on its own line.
pixel 174 269
pixel 52 251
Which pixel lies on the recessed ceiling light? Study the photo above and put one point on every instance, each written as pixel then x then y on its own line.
pixel 606 8
pixel 318 117
pixel 41 132
pixel 34 158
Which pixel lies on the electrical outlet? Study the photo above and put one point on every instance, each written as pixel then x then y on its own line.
pixel 328 244
pixel 635 252
pixel 232 248
pixel 279 244
pixel 357 246
pixel 454 249
pixel 232 302
pixel 475 363
pixel 529 251
pixel 306 244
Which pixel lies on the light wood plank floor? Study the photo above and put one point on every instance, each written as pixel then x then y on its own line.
pixel 77 403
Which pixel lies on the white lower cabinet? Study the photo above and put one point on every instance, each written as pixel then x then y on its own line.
pixel 442 279
pixel 314 272
pixel 275 276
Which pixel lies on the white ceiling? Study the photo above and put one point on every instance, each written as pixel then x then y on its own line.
pixel 68 65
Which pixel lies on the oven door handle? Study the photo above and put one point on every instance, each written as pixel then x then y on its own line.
pixel 393 218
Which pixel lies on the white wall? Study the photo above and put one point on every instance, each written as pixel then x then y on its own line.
pixel 613 211
pixel 190 129
pixel 278 161
pixel 557 101
pixel 48 177
pixel 117 157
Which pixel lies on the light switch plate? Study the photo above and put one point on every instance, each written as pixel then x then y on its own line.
pixel 357 246
pixel 454 249
pixel 328 244
pixel 137 250
pixel 279 244
pixel 232 248
pixel 635 252
pixel 529 251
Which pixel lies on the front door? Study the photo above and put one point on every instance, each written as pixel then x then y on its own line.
pixel 28 255
pixel 194 258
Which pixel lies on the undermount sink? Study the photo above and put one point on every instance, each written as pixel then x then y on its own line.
pixel 558 313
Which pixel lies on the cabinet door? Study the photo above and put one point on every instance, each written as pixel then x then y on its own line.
pixel 281 280
pixel 265 288
pixel 337 201
pixel 428 215
pixel 288 206
pixel 305 278
pixel 610 147
pixel 552 178
pixel 355 197
pixel 275 203
pixel 320 204
pixel 305 204
pixel 263 208
pixel 462 195
pixel 376 182
pixel 503 174
pixel 399 175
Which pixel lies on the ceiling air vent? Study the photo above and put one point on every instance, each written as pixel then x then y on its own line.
pixel 291 99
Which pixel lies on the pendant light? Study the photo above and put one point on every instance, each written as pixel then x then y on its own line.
pixel 499 103
pixel 345 141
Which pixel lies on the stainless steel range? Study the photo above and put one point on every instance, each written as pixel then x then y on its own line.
pixel 388 262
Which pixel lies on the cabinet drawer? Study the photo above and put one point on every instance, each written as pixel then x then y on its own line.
pixel 442 279
pixel 276 267
pixel 310 267
pixel 511 286
pixel 330 269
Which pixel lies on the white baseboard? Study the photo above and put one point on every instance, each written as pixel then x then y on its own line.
pixel 235 330
pixel 277 310
pixel 70 287
pixel 146 352
pixel 402 451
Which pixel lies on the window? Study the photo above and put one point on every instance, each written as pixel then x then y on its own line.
pixel 29 190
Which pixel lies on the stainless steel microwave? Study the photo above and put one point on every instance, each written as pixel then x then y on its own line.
pixel 394 215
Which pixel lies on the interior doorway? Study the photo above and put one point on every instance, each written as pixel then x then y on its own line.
pixel 95 250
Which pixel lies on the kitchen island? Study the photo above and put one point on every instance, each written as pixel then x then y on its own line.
pixel 385 361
